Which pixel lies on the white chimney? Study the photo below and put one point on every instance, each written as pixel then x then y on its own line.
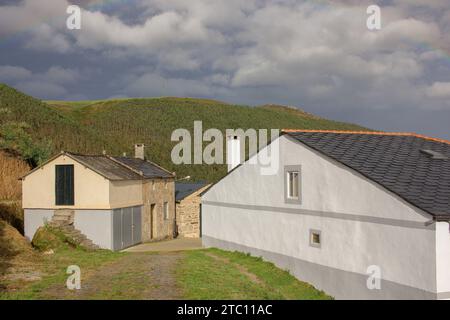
pixel 139 151
pixel 233 152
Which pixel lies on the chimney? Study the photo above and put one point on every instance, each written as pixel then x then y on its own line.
pixel 139 151
pixel 233 152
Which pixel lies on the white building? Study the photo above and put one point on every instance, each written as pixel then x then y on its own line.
pixel 343 208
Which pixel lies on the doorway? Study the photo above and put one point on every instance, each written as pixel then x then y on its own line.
pixel 152 221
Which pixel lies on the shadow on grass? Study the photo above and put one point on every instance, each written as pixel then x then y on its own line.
pixel 12 213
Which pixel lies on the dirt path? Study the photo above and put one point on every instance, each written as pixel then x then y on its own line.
pixel 135 276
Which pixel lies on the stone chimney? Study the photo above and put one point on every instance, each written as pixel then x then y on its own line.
pixel 233 152
pixel 139 151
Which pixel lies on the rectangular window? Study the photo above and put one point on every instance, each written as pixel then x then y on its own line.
pixel 64 185
pixel 315 238
pixel 293 184
pixel 166 210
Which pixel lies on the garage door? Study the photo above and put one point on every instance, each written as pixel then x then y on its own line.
pixel 127 229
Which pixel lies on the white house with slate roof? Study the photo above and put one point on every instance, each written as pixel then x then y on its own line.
pixel 115 202
pixel 343 210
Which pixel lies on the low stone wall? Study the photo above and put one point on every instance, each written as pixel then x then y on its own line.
pixel 188 217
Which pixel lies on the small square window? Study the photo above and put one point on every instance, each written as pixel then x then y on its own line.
pixel 315 238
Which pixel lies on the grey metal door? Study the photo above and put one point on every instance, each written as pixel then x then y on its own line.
pixel 117 229
pixel 127 225
pixel 137 225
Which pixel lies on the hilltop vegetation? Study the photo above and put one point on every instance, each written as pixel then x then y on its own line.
pixel 116 125
pixel 34 130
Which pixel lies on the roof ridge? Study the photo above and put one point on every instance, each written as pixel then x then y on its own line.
pixel 83 154
pixel 381 133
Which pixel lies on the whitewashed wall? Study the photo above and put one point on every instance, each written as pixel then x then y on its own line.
pixel 361 224
pixel 443 259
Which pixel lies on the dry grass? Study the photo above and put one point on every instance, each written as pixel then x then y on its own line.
pixel 12 213
pixel 11 169
pixel 18 260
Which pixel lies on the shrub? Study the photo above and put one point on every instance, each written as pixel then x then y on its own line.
pixel 48 237
pixel 14 137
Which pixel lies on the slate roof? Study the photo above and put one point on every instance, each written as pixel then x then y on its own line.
pixel 400 162
pixel 184 189
pixel 146 168
pixel 106 167
pixel 115 168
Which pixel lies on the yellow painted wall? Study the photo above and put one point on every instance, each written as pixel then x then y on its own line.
pixel 91 190
pixel 125 193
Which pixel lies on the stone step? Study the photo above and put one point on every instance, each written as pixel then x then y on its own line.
pixel 76 235
pixel 61 218
pixel 63 215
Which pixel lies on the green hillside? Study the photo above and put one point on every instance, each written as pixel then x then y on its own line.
pixel 116 125
pixel 46 124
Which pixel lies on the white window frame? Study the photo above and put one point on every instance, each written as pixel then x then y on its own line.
pixel 312 233
pixel 292 187
pixel 288 171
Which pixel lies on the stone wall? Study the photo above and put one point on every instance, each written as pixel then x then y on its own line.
pixel 154 225
pixel 188 215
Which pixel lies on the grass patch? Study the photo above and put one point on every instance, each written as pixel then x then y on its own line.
pixel 217 274
pixel 54 269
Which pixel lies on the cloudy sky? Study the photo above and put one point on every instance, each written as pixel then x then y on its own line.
pixel 317 55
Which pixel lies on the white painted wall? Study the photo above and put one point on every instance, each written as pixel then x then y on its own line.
pixel 405 255
pixel 443 257
pixel 95 225
pixel 327 186
pixel 33 219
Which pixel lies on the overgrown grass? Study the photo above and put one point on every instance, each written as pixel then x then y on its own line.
pixel 11 169
pixel 226 276
pixel 54 269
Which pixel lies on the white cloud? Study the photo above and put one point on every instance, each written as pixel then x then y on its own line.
pixel 439 90
pixel 296 51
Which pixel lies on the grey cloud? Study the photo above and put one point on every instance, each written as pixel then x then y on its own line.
pixel 318 56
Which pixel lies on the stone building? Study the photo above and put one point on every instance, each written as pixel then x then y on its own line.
pixel 188 208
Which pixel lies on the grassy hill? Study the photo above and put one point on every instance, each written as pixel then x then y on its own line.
pixel 116 125
pixel 45 123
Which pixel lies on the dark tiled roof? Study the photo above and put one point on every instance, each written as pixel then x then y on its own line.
pixel 121 168
pixel 106 167
pixel 184 189
pixel 146 168
pixel 398 162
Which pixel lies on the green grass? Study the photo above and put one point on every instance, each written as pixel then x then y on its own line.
pixel 201 274
pixel 54 269
pixel 204 277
